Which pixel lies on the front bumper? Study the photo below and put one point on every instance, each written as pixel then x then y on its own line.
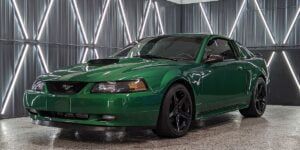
pixel 130 109
pixel 74 126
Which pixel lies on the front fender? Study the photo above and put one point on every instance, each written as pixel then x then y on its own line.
pixel 160 81
pixel 170 77
pixel 174 76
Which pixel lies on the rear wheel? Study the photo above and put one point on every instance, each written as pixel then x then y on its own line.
pixel 257 105
pixel 176 113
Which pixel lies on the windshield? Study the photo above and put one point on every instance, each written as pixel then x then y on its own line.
pixel 171 47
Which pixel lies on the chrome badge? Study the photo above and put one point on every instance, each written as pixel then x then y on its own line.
pixel 67 87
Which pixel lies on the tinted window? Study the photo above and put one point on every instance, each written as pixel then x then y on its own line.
pixel 124 52
pixel 248 52
pixel 177 47
pixel 245 52
pixel 219 47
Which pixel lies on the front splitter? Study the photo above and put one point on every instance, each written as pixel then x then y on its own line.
pixel 76 126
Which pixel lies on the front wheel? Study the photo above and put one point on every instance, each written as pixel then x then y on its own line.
pixel 257 104
pixel 176 113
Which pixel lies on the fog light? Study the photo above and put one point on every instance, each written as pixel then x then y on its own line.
pixel 108 117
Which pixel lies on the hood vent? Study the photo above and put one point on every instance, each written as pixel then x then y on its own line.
pixel 102 62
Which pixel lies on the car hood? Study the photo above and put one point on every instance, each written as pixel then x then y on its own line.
pixel 113 70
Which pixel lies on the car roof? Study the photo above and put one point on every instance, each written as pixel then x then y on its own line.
pixel 201 35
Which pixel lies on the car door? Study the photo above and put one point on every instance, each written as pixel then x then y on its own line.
pixel 245 58
pixel 237 77
pixel 222 81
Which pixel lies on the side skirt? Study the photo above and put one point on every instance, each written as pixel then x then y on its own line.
pixel 205 115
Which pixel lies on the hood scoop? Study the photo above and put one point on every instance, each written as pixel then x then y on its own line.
pixel 102 62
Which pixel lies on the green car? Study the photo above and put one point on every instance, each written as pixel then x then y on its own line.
pixel 162 82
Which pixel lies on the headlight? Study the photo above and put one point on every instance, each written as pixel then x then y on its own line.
pixel 120 87
pixel 38 86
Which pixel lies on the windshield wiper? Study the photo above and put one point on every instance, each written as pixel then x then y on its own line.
pixel 147 56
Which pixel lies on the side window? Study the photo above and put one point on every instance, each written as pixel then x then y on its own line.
pixel 219 47
pixel 248 52
pixel 245 52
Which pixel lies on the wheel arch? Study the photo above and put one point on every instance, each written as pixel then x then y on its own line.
pixel 262 76
pixel 254 79
pixel 186 83
pixel 259 71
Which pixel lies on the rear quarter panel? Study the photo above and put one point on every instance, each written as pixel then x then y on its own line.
pixel 259 69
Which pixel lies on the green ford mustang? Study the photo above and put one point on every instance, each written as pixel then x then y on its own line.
pixel 162 82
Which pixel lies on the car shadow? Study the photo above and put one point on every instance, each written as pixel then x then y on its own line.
pixel 128 136
pixel 214 121
pixel 226 123
pixel 219 124
pixel 233 118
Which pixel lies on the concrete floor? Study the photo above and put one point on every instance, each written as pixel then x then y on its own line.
pixel 279 129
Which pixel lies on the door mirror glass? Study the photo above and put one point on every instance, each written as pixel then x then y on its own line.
pixel 214 58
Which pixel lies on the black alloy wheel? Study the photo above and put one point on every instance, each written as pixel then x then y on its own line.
pixel 176 114
pixel 260 98
pixel 180 114
pixel 258 102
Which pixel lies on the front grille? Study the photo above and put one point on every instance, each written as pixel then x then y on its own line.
pixel 78 116
pixel 64 87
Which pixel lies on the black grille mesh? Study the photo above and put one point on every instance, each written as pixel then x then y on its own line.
pixel 65 87
pixel 62 115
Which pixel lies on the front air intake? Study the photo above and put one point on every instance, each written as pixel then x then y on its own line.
pixel 62 115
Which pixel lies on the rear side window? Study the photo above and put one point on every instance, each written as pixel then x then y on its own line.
pixel 219 47
pixel 245 52
pixel 248 52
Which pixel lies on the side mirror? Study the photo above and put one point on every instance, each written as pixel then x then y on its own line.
pixel 214 58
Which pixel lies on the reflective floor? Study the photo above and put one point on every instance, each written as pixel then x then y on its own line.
pixel 279 129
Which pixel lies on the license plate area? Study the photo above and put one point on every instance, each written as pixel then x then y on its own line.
pixel 63 115
pixel 58 104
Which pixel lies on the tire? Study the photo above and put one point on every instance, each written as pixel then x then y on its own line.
pixel 257 104
pixel 176 113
